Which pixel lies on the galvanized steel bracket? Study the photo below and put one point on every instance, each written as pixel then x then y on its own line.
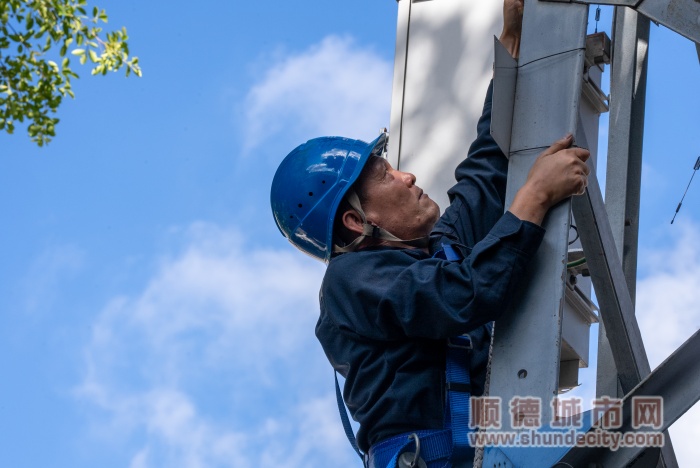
pixel 505 75
pixel 681 16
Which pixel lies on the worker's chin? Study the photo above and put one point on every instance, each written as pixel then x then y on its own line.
pixel 434 210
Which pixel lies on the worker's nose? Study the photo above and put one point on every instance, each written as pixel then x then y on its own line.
pixel 408 178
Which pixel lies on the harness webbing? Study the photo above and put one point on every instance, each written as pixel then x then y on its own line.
pixel 346 422
pixel 458 386
pixel 457 381
pixel 429 446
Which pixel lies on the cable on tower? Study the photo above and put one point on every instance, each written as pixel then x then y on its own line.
pixel 695 169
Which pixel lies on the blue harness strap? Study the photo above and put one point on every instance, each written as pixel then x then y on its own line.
pixel 458 381
pixel 435 446
pixel 458 387
pixel 346 422
pixel 449 252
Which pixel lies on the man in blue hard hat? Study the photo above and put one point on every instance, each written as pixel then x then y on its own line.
pixel 409 296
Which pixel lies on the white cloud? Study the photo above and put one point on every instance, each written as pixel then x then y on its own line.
pixel 667 298
pixel 140 460
pixel 213 362
pixel 202 367
pixel 669 314
pixel 318 439
pixel 333 88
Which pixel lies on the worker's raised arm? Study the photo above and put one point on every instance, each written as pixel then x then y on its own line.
pixel 477 199
pixel 401 297
pixel 512 26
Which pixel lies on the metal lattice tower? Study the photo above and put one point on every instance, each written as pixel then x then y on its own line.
pixel 554 89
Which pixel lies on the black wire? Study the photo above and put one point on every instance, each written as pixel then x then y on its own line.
pixel 695 169
pixel 551 55
pixel 577 234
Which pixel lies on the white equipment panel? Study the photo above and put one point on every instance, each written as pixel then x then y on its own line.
pixel 444 57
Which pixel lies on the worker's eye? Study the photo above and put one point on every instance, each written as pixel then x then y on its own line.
pixel 380 169
pixel 385 172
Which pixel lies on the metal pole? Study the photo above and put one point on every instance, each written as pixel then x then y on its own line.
pixel 625 144
pixel 624 172
pixel 527 339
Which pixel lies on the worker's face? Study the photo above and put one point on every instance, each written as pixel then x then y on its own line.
pixel 392 201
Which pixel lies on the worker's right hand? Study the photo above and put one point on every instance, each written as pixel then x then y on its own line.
pixel 558 173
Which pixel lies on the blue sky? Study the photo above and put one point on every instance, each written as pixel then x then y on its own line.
pixel 151 314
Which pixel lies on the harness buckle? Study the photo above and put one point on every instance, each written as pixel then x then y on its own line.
pixel 410 459
pixel 461 341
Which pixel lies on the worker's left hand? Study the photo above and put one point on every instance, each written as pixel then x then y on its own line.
pixel 512 25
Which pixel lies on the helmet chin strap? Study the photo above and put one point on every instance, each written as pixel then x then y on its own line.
pixel 373 231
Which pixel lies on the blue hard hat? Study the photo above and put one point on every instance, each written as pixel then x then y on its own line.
pixel 310 184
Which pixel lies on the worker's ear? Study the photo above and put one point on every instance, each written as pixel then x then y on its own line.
pixel 352 221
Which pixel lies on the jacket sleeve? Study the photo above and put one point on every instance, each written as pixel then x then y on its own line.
pixel 392 294
pixel 477 199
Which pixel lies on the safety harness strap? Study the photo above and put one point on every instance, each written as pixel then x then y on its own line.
pixel 346 422
pixel 458 386
pixel 427 445
pixel 449 252
pixel 457 381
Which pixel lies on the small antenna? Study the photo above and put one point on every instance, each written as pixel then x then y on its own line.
pixel 695 169
pixel 597 18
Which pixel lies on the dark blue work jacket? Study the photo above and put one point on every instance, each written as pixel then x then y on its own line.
pixel 386 312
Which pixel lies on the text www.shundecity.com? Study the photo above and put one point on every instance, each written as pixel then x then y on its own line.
pixel 597 438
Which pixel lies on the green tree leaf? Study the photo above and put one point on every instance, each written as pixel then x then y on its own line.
pixel 32 87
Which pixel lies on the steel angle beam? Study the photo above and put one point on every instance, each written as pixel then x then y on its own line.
pixel 624 171
pixel 624 167
pixel 681 16
pixel 527 338
pixel 616 308
pixel 628 85
pixel 676 380
pixel 505 75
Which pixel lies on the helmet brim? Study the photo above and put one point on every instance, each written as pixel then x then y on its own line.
pixel 364 158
